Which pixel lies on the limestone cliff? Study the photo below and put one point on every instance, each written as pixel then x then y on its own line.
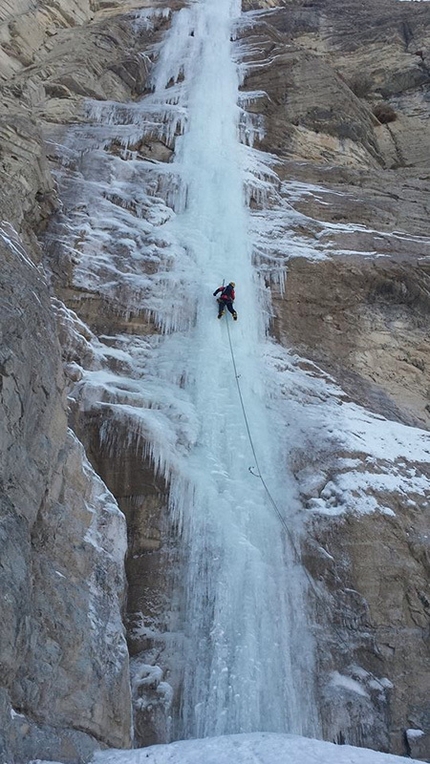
pixel 64 662
pixel 337 94
pixel 345 106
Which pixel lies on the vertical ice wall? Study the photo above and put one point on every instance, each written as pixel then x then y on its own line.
pixel 245 643
pixel 164 235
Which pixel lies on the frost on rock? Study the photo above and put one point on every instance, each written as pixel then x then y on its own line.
pixel 79 592
pixel 383 460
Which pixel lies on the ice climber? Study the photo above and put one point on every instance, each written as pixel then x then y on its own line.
pixel 225 300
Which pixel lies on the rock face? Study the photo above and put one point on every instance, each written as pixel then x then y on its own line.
pixel 351 210
pixel 65 687
pixel 335 99
pixel 63 654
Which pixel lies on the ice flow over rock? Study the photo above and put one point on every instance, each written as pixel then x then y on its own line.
pixel 247 657
pixel 239 655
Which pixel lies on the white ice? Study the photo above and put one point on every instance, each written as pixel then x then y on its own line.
pixel 245 646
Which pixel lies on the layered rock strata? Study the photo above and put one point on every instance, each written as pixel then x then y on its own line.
pixel 351 211
pixel 65 667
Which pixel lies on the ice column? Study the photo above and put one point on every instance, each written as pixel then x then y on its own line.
pixel 246 646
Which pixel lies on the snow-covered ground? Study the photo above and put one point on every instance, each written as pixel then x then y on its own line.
pixel 257 748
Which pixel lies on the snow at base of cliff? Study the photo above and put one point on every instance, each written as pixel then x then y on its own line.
pixel 258 748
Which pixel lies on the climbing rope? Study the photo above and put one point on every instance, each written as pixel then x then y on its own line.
pixel 258 474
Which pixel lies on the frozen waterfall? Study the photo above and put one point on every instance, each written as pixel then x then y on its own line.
pixel 163 235
pixel 246 652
